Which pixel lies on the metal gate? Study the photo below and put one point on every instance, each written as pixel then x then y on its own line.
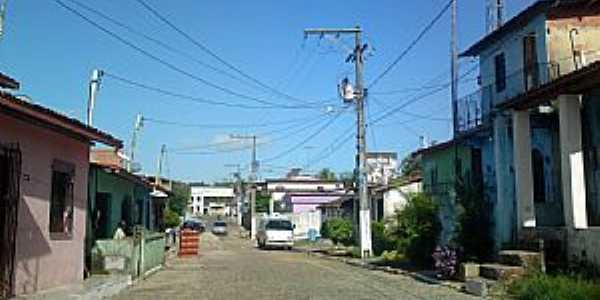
pixel 10 174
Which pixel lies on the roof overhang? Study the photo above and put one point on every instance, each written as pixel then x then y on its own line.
pixel 48 118
pixel 574 83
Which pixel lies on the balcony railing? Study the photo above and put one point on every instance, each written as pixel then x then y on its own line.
pixel 474 109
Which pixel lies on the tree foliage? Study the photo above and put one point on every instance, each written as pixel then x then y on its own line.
pixel 474 223
pixel 417 228
pixel 327 174
pixel 262 203
pixel 170 218
pixel 339 230
pixel 410 164
pixel 179 200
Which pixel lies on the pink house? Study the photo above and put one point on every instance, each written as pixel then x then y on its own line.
pixel 44 159
pixel 309 201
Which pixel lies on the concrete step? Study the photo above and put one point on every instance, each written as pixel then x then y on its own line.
pixel 482 287
pixel 530 260
pixel 501 272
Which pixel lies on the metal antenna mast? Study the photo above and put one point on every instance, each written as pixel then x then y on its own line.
pixel 358 96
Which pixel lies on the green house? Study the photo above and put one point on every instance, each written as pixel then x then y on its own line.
pixel 443 167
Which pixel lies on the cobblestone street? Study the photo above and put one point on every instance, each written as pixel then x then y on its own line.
pixel 232 268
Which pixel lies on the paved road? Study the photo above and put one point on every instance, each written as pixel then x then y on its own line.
pixel 231 268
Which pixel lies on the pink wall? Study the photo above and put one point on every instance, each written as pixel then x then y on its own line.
pixel 42 263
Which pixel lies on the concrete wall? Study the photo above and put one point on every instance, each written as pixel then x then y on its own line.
pixel 395 199
pixel 586 41
pixel 512 47
pixel 39 257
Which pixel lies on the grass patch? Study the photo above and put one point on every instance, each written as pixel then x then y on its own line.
pixel 554 287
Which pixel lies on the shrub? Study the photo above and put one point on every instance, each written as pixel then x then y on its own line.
pixel 171 218
pixel 474 224
pixel 546 287
pixel 381 239
pixel 417 229
pixel 339 230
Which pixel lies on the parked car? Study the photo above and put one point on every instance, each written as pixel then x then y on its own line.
pixel 219 228
pixel 275 232
pixel 195 225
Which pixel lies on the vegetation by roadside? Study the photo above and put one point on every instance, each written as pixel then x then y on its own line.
pixel 551 287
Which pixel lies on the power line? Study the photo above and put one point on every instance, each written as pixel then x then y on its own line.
pixel 228 125
pixel 213 54
pixel 412 44
pixel 156 41
pixel 306 140
pixel 170 65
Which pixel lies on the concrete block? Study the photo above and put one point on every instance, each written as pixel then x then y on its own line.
pixel 531 261
pixel 114 263
pixel 501 272
pixel 467 271
pixel 476 287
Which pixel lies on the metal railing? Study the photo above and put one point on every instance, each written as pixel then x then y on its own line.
pixel 474 110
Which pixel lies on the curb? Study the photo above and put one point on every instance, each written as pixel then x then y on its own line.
pixel 387 269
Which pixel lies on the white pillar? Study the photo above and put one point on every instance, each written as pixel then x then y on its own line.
pixel 571 154
pixel 523 169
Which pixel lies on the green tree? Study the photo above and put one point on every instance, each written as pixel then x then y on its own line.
pixel 339 230
pixel 327 174
pixel 262 203
pixel 410 164
pixel 417 229
pixel 170 218
pixel 179 200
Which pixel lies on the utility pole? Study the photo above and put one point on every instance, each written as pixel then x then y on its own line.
pixel 238 191
pixel 252 178
pixel 139 123
pixel 359 98
pixel 94 87
pixel 161 157
pixel 2 17
pixel 454 69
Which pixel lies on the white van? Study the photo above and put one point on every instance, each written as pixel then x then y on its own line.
pixel 275 232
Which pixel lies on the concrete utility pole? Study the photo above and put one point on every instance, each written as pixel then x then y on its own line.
pixel 93 92
pixel 252 178
pixel 238 190
pixel 359 98
pixel 454 69
pixel 161 158
pixel 139 123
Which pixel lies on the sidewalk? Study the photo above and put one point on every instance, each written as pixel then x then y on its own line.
pixel 96 287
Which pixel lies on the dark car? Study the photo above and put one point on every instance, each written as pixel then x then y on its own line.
pixel 195 225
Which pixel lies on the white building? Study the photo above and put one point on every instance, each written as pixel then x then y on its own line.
pixel 211 200
pixel 278 188
pixel 381 167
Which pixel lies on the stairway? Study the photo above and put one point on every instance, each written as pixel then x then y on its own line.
pixel 481 280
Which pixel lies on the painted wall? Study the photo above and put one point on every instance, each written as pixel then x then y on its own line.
pixel 438 181
pixel 512 47
pixel 38 257
pixel 396 198
pixel 585 41
pixel 199 193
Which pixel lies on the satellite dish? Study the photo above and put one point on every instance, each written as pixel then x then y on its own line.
pixel 346 90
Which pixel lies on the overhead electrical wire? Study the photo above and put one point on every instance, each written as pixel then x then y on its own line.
pixel 172 66
pixel 158 42
pixel 414 43
pixel 214 55
pixel 229 125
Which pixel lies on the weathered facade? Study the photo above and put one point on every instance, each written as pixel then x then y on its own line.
pixel 537 102
pixel 48 172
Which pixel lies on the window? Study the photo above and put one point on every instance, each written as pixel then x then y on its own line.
pixel 61 200
pixel 500 67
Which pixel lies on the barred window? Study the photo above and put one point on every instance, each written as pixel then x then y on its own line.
pixel 61 200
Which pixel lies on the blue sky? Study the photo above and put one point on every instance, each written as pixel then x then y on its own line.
pixel 52 52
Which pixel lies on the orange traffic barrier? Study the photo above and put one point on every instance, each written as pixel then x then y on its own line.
pixel 188 243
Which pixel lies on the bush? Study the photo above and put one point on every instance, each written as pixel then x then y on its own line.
pixel 417 229
pixel 474 224
pixel 339 230
pixel 171 219
pixel 381 239
pixel 546 287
